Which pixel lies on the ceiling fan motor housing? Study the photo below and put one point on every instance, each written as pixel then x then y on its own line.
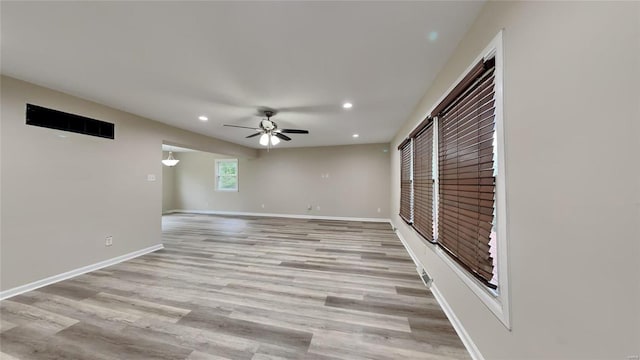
pixel 268 112
pixel 268 125
pixel 269 129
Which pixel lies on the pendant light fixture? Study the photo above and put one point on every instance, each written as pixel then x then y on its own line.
pixel 170 160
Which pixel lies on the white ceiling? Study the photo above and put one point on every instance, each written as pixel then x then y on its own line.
pixel 174 61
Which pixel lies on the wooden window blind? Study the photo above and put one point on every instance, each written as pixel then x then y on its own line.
pixel 466 135
pixel 405 181
pixel 423 181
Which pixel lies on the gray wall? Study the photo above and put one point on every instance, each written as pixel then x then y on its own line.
pixel 349 181
pixel 62 196
pixel 571 115
pixel 195 184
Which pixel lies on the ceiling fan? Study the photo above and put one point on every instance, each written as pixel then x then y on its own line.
pixel 270 134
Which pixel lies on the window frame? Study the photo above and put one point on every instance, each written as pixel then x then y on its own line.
pixel 218 176
pixel 498 301
pixel 429 123
pixel 409 144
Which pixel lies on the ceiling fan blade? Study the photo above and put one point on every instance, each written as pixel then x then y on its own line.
pixel 252 135
pixel 242 127
pixel 294 131
pixel 282 136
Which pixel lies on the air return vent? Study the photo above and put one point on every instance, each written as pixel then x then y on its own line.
pixel 426 279
pixel 54 119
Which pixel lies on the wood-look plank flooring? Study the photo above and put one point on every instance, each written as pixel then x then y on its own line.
pixel 240 288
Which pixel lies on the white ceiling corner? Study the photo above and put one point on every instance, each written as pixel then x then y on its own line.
pixel 176 149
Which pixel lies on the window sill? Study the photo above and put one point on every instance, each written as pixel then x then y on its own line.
pixel 493 300
pixel 496 302
pixel 227 190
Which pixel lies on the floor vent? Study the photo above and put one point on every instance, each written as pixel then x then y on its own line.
pixel 426 279
pixel 54 119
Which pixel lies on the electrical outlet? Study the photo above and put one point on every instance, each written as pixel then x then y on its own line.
pixel 309 207
pixel 379 210
pixel 318 207
pixel 108 241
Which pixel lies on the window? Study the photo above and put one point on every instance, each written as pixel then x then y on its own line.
pixel 423 201
pixel 406 197
pixel 466 128
pixel 457 189
pixel 466 150
pixel 227 175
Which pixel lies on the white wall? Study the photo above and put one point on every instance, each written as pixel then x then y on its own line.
pixel 571 119
pixel 62 196
pixel 345 181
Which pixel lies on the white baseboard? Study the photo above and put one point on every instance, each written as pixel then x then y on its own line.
pixel 455 322
pixel 293 216
pixel 457 325
pixel 406 246
pixel 79 271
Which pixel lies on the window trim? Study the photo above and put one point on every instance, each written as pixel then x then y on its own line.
pixel 217 174
pixel 499 301
pixel 411 198
pixel 414 135
pixel 435 152
pixel 407 143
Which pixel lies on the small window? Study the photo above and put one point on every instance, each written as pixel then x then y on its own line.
pixel 227 175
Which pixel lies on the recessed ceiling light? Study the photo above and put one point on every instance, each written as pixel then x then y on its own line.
pixel 347 105
pixel 355 135
pixel 203 118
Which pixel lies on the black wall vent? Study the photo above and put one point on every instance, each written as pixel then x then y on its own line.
pixel 54 119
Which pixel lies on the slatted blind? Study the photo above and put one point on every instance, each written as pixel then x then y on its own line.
pixel 466 136
pixel 423 181
pixel 405 181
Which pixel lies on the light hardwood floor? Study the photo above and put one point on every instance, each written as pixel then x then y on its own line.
pixel 240 288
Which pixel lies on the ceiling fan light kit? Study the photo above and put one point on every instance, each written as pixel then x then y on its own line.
pixel 270 134
pixel 264 139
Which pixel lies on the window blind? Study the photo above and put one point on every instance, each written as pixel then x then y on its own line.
pixel 405 181
pixel 466 138
pixel 423 181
